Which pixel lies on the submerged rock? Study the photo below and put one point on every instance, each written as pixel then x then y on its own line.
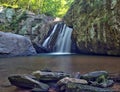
pixel 15 45
pixel 96 26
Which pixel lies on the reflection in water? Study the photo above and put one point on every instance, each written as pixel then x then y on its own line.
pixel 64 64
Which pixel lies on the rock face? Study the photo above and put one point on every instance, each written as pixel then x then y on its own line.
pixel 15 45
pixel 96 25
pixel 26 23
pixel 36 27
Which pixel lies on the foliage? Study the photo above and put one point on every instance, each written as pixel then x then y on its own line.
pixel 50 7
pixel 17 19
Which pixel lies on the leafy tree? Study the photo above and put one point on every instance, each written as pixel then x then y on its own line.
pixel 49 7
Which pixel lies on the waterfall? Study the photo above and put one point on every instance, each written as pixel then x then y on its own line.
pixel 60 39
pixel 48 38
pixel 63 43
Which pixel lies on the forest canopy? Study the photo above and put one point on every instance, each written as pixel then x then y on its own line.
pixel 56 8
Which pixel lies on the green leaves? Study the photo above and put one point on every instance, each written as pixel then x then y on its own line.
pixel 56 8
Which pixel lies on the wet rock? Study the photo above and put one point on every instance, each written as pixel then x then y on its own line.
pixel 46 80
pixel 25 81
pixel 75 87
pixel 39 48
pixel 105 84
pixel 98 78
pixel 48 76
pixel 15 45
pixel 67 80
pixel 95 76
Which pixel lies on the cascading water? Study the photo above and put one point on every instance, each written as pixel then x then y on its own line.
pixel 60 39
pixel 46 42
pixel 63 43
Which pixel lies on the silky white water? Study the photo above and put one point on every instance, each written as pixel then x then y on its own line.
pixel 48 38
pixel 63 40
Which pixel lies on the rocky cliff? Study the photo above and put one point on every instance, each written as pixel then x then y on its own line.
pixel 34 26
pixel 96 25
pixel 26 23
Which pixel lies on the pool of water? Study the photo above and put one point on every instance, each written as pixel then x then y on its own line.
pixel 66 62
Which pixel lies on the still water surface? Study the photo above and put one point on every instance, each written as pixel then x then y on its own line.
pixel 67 63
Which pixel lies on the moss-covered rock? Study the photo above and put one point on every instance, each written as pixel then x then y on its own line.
pixel 75 87
pixel 96 25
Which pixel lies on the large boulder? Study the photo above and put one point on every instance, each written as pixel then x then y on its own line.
pixel 96 25
pixel 15 45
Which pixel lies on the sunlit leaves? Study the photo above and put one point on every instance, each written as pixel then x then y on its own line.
pixel 48 7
